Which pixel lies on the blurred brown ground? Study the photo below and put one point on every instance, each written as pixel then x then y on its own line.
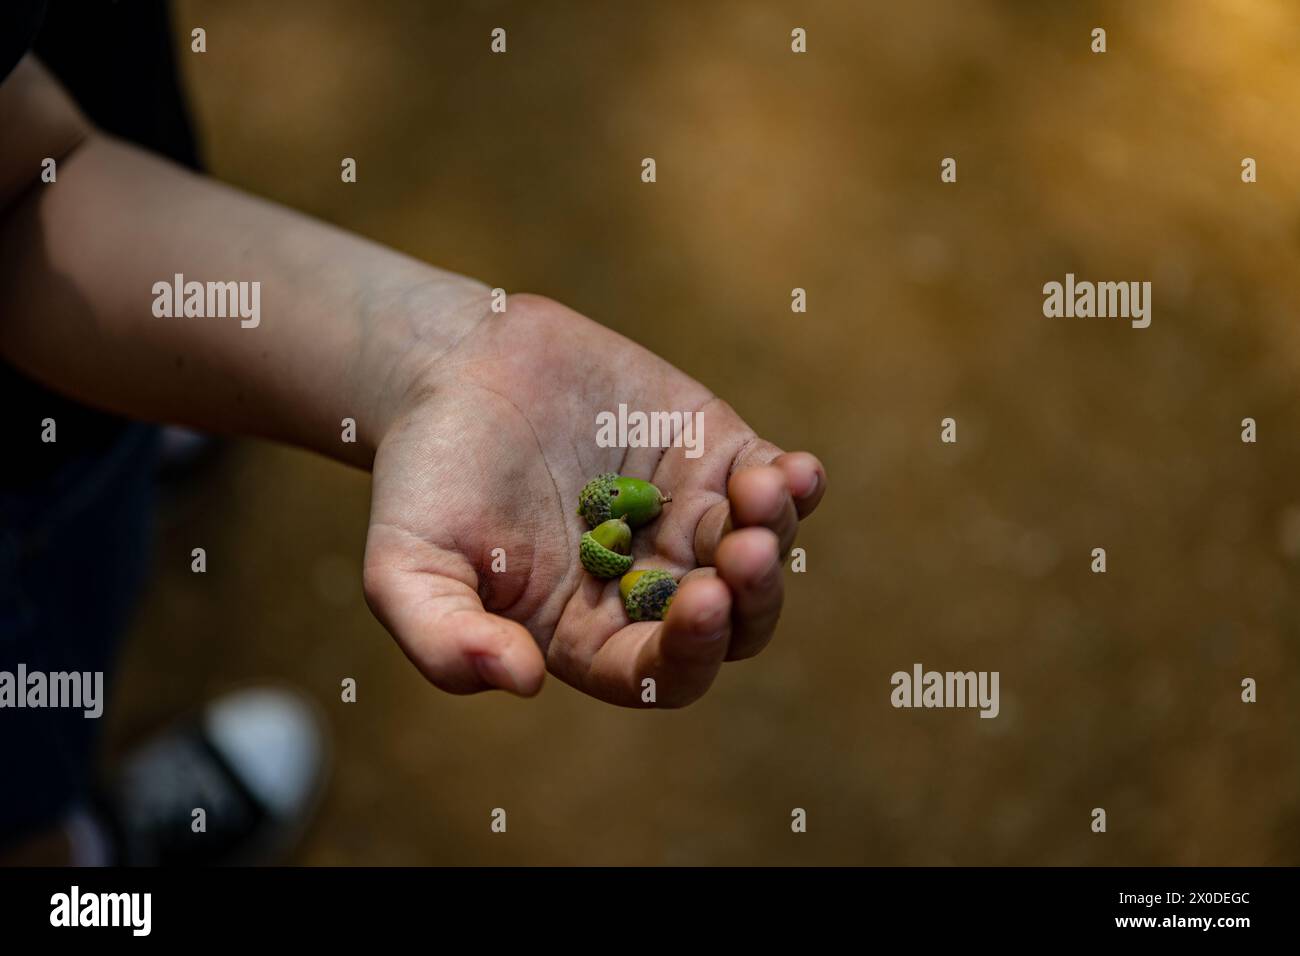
pixel 820 171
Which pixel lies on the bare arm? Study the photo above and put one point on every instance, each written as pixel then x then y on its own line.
pixel 478 426
pixel 80 256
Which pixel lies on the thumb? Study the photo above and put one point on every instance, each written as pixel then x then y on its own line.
pixel 442 627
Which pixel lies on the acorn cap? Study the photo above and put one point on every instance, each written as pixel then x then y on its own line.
pixel 594 499
pixel 647 594
pixel 603 551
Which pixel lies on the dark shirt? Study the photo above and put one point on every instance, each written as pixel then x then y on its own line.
pixel 19 21
pixel 115 59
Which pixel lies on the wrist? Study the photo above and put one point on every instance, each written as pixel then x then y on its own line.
pixel 406 331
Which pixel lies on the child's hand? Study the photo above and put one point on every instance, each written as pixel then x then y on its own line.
pixel 480 427
pixel 489 449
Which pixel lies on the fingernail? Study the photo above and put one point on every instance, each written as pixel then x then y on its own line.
pixel 813 486
pixel 711 625
pixel 495 672
pixel 770 577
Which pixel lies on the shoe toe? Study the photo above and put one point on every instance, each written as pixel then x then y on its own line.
pixel 273 739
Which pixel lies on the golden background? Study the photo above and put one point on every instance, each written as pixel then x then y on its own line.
pixel 821 171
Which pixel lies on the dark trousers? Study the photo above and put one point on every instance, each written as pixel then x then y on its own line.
pixel 73 556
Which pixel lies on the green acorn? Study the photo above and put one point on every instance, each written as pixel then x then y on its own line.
pixel 613 496
pixel 647 594
pixel 606 550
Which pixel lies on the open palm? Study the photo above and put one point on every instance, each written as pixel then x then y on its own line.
pixel 472 558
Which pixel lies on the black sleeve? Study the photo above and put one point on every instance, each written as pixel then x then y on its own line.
pixel 19 21
pixel 116 61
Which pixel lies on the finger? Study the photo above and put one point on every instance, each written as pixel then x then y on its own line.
pixel 682 655
pixel 750 563
pixel 715 524
pixel 805 476
pixel 760 498
pixel 440 624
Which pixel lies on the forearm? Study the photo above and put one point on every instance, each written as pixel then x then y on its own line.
pixel 341 318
